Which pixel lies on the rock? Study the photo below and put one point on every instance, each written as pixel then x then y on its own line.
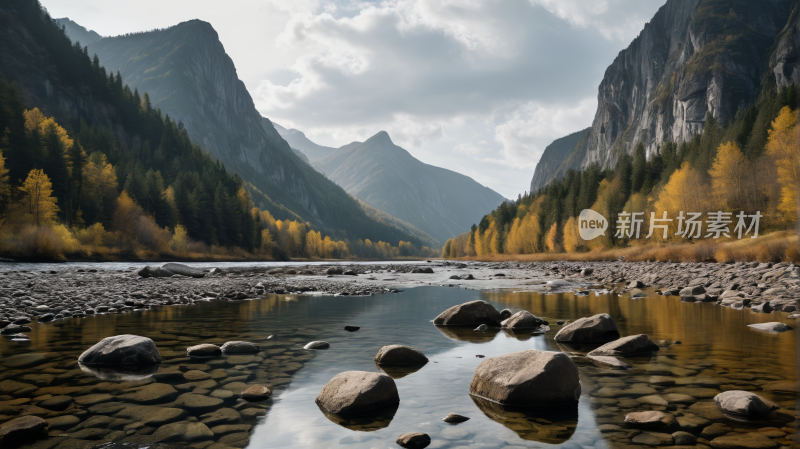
pixel 653 399
pixel 184 270
pixel 653 439
pixel 256 393
pixel 29 360
pixel 350 273
pixel 469 314
pixel 204 350
pixel 636 284
pixel 45 318
pixel 22 430
pixel 527 378
pixel 155 272
pixel 632 344
pixel 317 345
pixel 692 422
pixel 752 440
pixel 762 308
pixel 239 347
pixel 333 270
pixel 56 403
pixel 351 328
pixel 353 392
pixel 481 328
pixel 693 290
pixel 153 393
pixel 122 350
pixel 522 320
pixel 714 430
pixel 63 422
pixel 15 329
pixel 399 355
pixel 197 403
pixel 182 431
pixel 682 438
pixel 455 277
pixel 455 418
pixel 414 440
pixel 609 362
pixel 651 419
pixel 221 416
pixel 595 329
pixel 587 271
pixel 505 314
pixel 743 403
pixel 422 270
pixel 773 327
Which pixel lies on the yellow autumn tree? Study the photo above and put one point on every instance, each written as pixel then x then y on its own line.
pixel 37 199
pixel 572 240
pixel 685 192
pixel 100 182
pixel 731 178
pixel 550 240
pixel 782 146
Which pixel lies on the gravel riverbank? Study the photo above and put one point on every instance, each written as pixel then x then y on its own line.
pixel 31 295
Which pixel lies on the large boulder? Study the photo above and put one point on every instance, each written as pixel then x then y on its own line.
pixel 122 350
pixel 155 272
pixel 630 345
pixel 471 313
pixel 527 378
pixel 522 320
pixel 399 355
pixel 355 392
pixel 22 430
pixel 744 403
pixel 184 270
pixel 599 328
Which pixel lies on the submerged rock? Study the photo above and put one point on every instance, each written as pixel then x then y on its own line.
pixel 354 392
pixel 630 345
pixel 122 350
pixel 256 393
pixel 744 403
pixel 596 329
pixel 651 419
pixel 317 345
pixel 455 418
pixel 774 327
pixel 184 270
pixel 527 378
pixel 22 430
pixel 469 314
pixel 399 355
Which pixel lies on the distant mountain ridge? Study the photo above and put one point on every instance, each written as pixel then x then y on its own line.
pixel 189 76
pixel 78 33
pixel 694 58
pixel 438 201
pixel 297 139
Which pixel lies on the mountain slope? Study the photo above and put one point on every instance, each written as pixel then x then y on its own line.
pixel 298 140
pixel 556 159
pixel 78 33
pixel 694 58
pixel 440 202
pixel 187 74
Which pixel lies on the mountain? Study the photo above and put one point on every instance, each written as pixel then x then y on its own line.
pixel 78 33
pixel 694 58
pixel 187 75
pixel 561 155
pixel 298 140
pixel 440 202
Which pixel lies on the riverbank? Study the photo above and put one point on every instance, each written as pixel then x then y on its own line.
pixel 45 295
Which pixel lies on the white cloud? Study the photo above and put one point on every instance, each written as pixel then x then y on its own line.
pixel 532 127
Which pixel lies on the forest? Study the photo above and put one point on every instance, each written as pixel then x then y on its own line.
pixel 72 190
pixel 749 166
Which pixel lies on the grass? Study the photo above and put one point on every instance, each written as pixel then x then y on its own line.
pixel 780 246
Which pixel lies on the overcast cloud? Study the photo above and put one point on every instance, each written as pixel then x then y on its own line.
pixel 477 86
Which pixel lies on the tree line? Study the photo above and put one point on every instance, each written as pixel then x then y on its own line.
pixel 750 165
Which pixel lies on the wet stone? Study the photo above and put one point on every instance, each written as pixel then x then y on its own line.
pixel 56 403
pixel 751 440
pixel 653 439
pixel 150 394
pixel 714 430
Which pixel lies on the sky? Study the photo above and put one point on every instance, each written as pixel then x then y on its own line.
pixel 480 87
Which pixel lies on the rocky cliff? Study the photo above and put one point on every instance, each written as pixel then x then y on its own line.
pixel 440 202
pixel 561 155
pixel 77 33
pixel 299 141
pixel 695 57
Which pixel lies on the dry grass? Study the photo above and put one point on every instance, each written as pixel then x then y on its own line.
pixel 775 247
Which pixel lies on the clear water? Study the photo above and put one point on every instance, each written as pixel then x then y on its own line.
pixel 717 352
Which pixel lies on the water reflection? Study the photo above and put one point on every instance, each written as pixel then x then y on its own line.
pixel 120 373
pixel 368 422
pixel 399 371
pixel 551 425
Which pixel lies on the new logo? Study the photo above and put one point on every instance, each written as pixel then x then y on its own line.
pixel 591 224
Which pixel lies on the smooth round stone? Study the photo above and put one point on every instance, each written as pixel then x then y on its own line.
pixel 56 403
pixel 653 400
pixel 239 347
pixel 156 392
pixel 256 393
pixel 650 419
pixel 317 345
pixel 752 440
pixel 25 360
pixel 684 439
pixel 183 431
pixel 63 422
pixel 240 359
pixel 92 399
pixel 192 401
pixel 252 413
pixel 204 350
pixel 195 375
pixel 221 416
pixel 414 440
pixel 455 418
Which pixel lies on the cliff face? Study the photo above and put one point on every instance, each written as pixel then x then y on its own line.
pixel 560 156
pixel 440 202
pixel 695 57
pixel 299 141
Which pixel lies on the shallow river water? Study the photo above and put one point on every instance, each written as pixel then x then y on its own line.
pixel 718 352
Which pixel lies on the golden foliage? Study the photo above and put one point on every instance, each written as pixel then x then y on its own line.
pixel 732 178
pixel 782 146
pixel 572 240
pixel 37 199
pixel 5 187
pixel 550 240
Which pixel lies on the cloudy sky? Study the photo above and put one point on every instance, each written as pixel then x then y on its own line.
pixel 477 86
